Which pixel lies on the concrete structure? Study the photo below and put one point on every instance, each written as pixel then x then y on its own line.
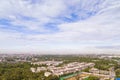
pixel 39 69
pixel 46 74
pixel 97 71
pixel 33 69
pixel 70 68
pixel 85 75
pixel 48 63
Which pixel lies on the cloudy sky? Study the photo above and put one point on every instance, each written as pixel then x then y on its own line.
pixel 60 25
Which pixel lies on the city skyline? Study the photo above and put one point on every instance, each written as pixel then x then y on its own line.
pixel 60 26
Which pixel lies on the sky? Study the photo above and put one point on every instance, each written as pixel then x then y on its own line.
pixel 60 26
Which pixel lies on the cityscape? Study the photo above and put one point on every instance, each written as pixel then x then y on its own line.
pixel 59 39
pixel 59 67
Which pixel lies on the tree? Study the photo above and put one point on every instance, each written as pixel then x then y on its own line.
pixel 92 78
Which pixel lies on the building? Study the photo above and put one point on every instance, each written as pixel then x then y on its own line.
pixel 33 69
pixel 70 68
pixel 39 69
pixel 48 63
pixel 46 74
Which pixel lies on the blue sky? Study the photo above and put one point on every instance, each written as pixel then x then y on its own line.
pixel 60 25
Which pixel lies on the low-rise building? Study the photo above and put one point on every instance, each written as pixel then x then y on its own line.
pixel 70 68
pixel 33 69
pixel 48 63
pixel 97 71
pixel 46 74
pixel 39 69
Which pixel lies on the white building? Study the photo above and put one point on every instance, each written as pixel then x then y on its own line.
pixel 48 63
pixel 71 67
pixel 39 69
pixel 33 69
pixel 46 74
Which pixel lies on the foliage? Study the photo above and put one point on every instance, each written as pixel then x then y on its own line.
pixel 92 78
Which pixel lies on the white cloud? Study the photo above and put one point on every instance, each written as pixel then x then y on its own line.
pixel 100 28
